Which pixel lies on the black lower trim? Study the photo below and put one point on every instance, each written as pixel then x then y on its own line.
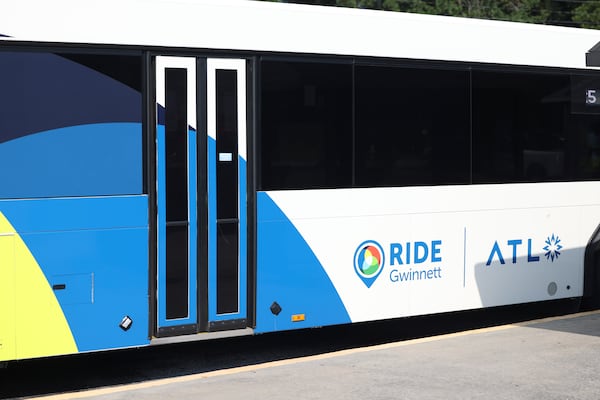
pixel 217 326
pixel 166 331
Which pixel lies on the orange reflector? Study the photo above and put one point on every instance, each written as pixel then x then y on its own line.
pixel 297 317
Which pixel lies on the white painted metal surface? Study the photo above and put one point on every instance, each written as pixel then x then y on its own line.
pixel 263 26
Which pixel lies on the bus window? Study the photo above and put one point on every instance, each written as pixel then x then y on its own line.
pixel 71 125
pixel 306 125
pixel 412 126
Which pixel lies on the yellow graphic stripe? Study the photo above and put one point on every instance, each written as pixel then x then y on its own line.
pixel 7 297
pixel 39 325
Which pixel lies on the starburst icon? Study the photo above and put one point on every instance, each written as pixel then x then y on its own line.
pixel 552 247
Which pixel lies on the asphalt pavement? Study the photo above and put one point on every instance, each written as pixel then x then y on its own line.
pixel 553 358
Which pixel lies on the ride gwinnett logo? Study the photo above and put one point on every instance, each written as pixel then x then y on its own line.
pixel 408 261
pixel 369 260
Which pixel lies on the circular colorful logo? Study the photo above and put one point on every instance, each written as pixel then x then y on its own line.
pixel 368 259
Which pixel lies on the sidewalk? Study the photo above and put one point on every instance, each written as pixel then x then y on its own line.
pixel 555 358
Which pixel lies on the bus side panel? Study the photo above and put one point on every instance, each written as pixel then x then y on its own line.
pixel 290 276
pixel 398 252
pixel 82 267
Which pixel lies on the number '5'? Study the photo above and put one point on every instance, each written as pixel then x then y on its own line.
pixel 591 97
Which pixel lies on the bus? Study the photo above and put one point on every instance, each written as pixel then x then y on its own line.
pixel 176 170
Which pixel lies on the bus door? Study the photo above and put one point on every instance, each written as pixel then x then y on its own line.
pixel 201 195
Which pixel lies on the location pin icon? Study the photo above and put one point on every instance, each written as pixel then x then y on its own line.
pixel 369 260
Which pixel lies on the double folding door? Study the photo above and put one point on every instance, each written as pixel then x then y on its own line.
pixel 201 271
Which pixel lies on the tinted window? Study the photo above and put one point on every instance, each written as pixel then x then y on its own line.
pixel 526 129
pixel 70 128
pixel 412 126
pixel 306 123
pixel 331 125
pixel 584 127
